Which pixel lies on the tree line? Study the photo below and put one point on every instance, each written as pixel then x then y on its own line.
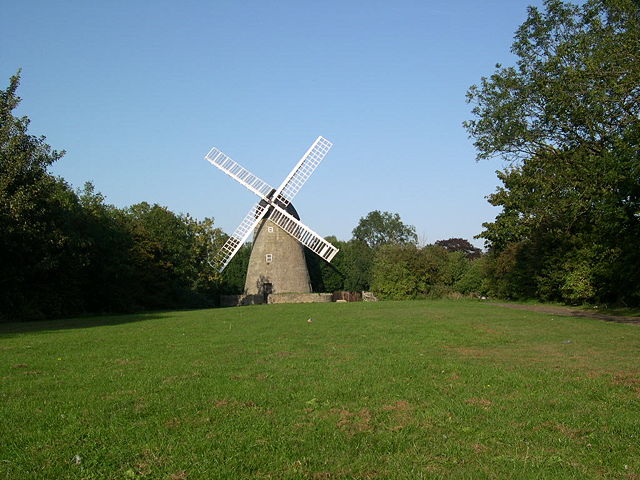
pixel 565 118
pixel 66 252
pixel 383 256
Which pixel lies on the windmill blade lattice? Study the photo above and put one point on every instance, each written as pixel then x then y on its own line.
pixel 238 173
pixel 303 170
pixel 273 202
pixel 302 233
pixel 240 235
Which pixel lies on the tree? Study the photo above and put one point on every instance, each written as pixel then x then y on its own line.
pixel 356 264
pixel 406 271
pixel 460 245
pixel 33 238
pixel 574 84
pixel 64 252
pixel 349 270
pixel 173 254
pixel 394 275
pixel 325 276
pixel 384 228
pixel 206 240
pixel 567 117
pixel 61 253
pixel 235 274
pixel 110 283
pixel 474 281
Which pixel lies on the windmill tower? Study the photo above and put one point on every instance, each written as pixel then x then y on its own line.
pixel 277 263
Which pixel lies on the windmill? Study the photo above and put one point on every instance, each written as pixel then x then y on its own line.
pixel 277 263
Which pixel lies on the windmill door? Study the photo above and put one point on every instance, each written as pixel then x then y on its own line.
pixel 267 289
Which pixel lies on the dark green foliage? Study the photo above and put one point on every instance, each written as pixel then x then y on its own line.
pixel 327 277
pixel 32 213
pixel 395 273
pixel 568 115
pixel 64 253
pixel 234 276
pixel 353 264
pixel 350 270
pixel 566 229
pixel 357 260
pixel 460 245
pixel 172 255
pixel 384 257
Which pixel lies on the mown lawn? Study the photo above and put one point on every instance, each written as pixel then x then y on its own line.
pixel 423 389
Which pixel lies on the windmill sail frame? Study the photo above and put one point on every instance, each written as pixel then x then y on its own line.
pixel 273 202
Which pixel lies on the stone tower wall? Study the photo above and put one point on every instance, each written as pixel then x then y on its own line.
pixel 287 269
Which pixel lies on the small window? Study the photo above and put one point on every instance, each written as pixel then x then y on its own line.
pixel 269 257
pixel 270 229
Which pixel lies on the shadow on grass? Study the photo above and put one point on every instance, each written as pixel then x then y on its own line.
pixel 572 312
pixel 11 329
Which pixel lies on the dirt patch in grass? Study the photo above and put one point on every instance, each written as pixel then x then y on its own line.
pixel 179 378
pixel 148 460
pixel 402 414
pixel 479 402
pixel 119 394
pixel 627 379
pixel 234 403
pixel 181 475
pixel 346 474
pixel 570 312
pixel 479 448
pixel 486 329
pixel 472 352
pixel 573 433
pixel 172 423
pixel 395 416
pixel 126 361
pixel 354 422
pixel 321 475
pixel 400 405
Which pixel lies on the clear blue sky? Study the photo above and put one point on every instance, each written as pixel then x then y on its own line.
pixel 137 92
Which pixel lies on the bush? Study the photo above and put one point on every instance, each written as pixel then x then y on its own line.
pixel 440 291
pixel 474 280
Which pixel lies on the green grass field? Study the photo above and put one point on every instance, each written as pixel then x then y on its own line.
pixel 422 389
